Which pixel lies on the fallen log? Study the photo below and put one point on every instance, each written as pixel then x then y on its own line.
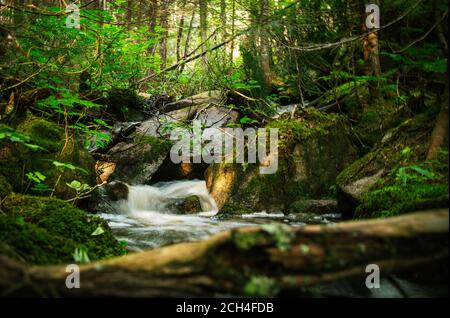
pixel 285 258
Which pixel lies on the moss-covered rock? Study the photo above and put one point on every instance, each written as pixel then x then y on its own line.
pixel 313 149
pixel 47 230
pixel 376 120
pixel 409 188
pixel 17 160
pixel 403 146
pixel 137 160
pixel 125 104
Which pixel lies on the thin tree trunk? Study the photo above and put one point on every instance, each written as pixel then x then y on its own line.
pixel 233 18
pixel 180 31
pixel 223 18
pixel 129 13
pixel 164 13
pixel 265 45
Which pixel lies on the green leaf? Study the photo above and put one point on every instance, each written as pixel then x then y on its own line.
pixel 425 173
pixel 74 184
pixel 99 230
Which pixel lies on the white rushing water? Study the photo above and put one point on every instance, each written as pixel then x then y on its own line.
pixel 149 219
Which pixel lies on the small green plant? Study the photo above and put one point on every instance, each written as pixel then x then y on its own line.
pixel 404 176
pixel 247 121
pixel 281 233
pixel 61 166
pixel 261 286
pixel 80 255
pixel 82 190
pixel 38 179
pixel 7 133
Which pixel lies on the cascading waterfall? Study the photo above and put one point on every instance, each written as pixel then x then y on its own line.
pixel 147 218
pixel 143 198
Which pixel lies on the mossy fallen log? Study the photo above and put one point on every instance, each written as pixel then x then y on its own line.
pixel 274 259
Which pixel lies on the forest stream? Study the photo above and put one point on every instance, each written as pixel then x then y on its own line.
pixel 148 218
pixel 211 148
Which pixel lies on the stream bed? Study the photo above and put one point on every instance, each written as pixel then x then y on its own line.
pixel 145 220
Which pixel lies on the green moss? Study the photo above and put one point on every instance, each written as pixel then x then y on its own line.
pixel 413 191
pixel 43 133
pixel 411 134
pixel 60 220
pixel 16 160
pixel 376 120
pixel 310 122
pixel 261 286
pixel 27 242
pixel 244 241
pixel 159 147
pixel 395 200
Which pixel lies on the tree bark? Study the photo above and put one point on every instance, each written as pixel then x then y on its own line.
pixel 441 128
pixel 265 45
pixel 291 259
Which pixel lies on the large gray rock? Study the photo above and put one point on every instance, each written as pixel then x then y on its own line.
pixel 209 97
pixel 209 116
pixel 137 160
pixel 361 176
pixel 313 150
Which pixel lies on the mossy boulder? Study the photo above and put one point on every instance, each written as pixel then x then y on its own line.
pixel 403 146
pixel 375 120
pixel 42 230
pixel 125 104
pixel 411 187
pixel 17 160
pixel 313 149
pixel 138 159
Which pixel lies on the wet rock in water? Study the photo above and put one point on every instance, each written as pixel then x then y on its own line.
pixel 373 185
pixel 117 190
pixel 191 205
pixel 313 149
pixel 188 205
pixel 137 160
pixel 314 206
pixel 42 230
pixel 15 159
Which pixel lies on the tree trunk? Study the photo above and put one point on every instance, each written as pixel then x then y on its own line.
pixel 441 129
pixel 290 259
pixel 164 13
pixel 233 18
pixel 264 44
pixel 180 31
pixel 129 13
pixel 223 18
